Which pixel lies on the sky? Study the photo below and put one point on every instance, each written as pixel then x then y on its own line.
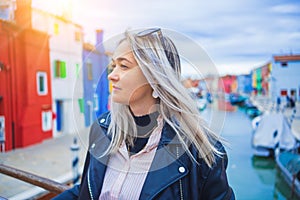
pixel 236 35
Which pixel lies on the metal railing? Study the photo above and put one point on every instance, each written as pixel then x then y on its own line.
pixel 47 184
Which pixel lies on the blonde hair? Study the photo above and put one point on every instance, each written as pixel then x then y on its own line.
pixel 160 64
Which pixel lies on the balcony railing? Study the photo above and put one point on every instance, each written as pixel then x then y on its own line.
pixel 45 183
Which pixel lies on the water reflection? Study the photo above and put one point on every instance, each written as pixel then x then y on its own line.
pixel 282 189
pixel 225 105
pixel 270 175
pixel 265 169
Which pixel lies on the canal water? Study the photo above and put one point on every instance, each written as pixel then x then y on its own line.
pixel 250 177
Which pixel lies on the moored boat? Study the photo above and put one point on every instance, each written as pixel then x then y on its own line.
pixel 272 132
pixel 288 165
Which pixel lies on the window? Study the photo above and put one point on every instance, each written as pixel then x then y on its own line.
pixel 56 29
pixel 284 64
pixel 89 67
pixel 96 102
pixel 2 128
pixel 77 70
pixel 60 70
pixel 46 120
pixel 77 36
pixel 41 80
pixel 283 92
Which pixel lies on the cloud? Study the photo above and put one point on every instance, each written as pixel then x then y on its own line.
pixel 235 34
pixel 286 9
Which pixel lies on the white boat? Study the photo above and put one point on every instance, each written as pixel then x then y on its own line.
pixel 201 103
pixel 271 133
pixel 255 122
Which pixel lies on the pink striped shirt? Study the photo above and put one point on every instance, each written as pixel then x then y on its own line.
pixel 125 176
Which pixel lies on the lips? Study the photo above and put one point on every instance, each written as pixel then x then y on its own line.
pixel 116 88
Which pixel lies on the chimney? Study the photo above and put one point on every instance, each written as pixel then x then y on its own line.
pixel 23 13
pixel 99 40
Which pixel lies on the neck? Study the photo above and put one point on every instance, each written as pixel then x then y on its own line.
pixel 146 124
pixel 144 108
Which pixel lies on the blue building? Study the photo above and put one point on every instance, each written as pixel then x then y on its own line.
pixel 244 83
pixel 95 82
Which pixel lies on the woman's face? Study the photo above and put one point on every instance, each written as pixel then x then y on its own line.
pixel 129 85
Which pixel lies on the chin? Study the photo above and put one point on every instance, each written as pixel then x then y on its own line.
pixel 120 101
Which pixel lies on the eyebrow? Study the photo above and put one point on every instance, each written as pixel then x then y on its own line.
pixel 121 59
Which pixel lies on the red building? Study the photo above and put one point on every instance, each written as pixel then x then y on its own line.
pixel 226 85
pixel 25 89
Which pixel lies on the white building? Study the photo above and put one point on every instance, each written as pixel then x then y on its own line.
pixel 7 9
pixel 66 60
pixel 285 77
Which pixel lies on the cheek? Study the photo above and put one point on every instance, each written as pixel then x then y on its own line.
pixel 143 92
pixel 141 86
pixel 134 82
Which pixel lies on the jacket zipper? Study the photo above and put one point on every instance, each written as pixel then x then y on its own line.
pixel 89 185
pixel 180 182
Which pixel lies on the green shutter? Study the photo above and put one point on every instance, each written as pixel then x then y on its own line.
pixel 81 105
pixel 259 81
pixel 57 69
pixel 77 70
pixel 63 69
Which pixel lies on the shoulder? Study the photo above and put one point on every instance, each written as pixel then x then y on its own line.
pixel 104 119
pixel 220 147
pixel 220 164
pixel 99 127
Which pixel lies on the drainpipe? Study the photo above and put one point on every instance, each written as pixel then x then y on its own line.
pixel 12 62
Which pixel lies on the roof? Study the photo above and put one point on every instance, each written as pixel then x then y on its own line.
pixel 57 17
pixel 287 58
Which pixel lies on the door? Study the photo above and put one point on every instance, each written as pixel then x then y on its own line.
pixel 59 117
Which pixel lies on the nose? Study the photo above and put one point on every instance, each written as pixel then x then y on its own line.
pixel 113 76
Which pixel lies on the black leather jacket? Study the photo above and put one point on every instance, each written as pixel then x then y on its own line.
pixel 173 175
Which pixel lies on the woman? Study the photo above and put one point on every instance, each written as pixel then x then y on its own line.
pixel 153 143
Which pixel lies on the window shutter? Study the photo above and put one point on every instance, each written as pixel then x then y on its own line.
pixel 81 105
pixel 90 71
pixel 56 29
pixel 57 69
pixel 63 69
pixel 77 70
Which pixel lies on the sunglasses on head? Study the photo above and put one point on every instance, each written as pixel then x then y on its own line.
pixel 151 31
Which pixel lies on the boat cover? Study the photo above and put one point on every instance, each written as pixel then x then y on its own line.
pixel 274 131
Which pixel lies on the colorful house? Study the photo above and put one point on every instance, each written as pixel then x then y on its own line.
pixel 244 83
pixel 25 88
pixel 261 79
pixel 227 84
pixel 95 80
pixel 285 77
pixel 66 47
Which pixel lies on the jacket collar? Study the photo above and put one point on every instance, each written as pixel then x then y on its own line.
pixel 104 120
pixel 167 138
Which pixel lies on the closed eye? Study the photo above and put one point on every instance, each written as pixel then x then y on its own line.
pixel 123 66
